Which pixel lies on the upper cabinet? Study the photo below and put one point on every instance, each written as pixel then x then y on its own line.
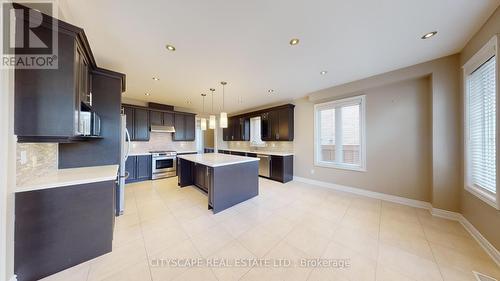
pixel 184 124
pixel 161 118
pixel 48 102
pixel 276 125
pixel 137 122
pixel 238 129
pixel 140 119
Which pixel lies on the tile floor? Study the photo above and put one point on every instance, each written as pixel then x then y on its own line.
pixel 286 222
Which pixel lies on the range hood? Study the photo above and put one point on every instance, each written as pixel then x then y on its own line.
pixel 162 129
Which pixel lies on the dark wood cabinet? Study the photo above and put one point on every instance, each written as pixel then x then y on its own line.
pixel 48 101
pixel 139 168
pixel 141 125
pixel 190 126
pixel 238 129
pixel 156 118
pixel 130 168
pixel 140 119
pixel 84 78
pixel 282 168
pixel 277 124
pixel 57 228
pixel 137 123
pixel 161 118
pixel 200 176
pixel 144 167
pixel 185 125
pixel 168 119
pixel 179 124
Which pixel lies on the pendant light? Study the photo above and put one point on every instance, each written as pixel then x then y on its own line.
pixel 203 120
pixel 223 114
pixel 211 121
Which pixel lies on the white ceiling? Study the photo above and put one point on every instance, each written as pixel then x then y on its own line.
pixel 246 43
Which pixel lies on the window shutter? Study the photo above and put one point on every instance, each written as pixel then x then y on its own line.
pixel 482 126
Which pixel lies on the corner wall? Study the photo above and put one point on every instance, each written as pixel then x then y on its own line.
pixel 484 217
pixel 443 188
pixel 398 141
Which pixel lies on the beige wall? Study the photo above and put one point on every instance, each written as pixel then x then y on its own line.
pixel 485 218
pixel 398 134
pixel 445 130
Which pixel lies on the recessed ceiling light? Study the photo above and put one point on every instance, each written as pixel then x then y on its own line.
pixel 156 78
pixel 429 35
pixel 270 91
pixel 147 94
pixel 170 47
pixel 294 41
pixel 323 72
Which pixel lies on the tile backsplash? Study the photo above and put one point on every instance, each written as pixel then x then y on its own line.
pixel 276 146
pixel 41 158
pixel 161 141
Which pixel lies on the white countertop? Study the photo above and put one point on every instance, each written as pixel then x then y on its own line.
pixel 149 153
pixel 139 153
pixel 277 153
pixel 68 177
pixel 217 159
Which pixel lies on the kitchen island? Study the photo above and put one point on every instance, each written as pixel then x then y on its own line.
pixel 227 179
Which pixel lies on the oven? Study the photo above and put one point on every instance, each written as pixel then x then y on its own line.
pixel 164 164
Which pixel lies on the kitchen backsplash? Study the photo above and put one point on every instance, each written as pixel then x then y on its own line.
pixel 41 158
pixel 161 141
pixel 276 146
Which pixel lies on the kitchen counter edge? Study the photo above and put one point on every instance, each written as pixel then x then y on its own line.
pixel 70 177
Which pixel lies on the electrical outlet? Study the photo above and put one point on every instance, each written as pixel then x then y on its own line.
pixel 24 158
pixel 312 171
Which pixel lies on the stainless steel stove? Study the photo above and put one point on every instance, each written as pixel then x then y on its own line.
pixel 164 164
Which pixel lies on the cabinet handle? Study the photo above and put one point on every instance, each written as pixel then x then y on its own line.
pixel 207 171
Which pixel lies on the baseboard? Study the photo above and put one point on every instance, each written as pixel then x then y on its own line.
pixel 367 193
pixel 445 214
pixel 483 242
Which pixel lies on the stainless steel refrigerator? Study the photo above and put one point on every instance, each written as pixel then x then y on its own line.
pixel 124 152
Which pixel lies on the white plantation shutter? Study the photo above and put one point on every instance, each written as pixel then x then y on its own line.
pixel 481 99
pixel 339 134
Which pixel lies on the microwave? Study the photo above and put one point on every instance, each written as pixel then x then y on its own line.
pixel 90 124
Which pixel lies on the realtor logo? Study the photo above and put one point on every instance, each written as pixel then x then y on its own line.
pixel 30 35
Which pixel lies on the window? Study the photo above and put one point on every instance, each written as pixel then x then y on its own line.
pixel 255 137
pixel 481 90
pixel 339 134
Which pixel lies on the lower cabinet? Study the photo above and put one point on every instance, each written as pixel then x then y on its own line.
pixel 282 168
pixel 139 168
pixel 202 176
pixel 57 228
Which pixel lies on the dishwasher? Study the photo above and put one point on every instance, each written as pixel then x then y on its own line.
pixel 264 165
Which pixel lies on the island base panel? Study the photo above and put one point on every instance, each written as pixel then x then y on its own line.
pixel 233 184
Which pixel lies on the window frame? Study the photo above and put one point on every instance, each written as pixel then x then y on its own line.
pixel 489 50
pixel 362 127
